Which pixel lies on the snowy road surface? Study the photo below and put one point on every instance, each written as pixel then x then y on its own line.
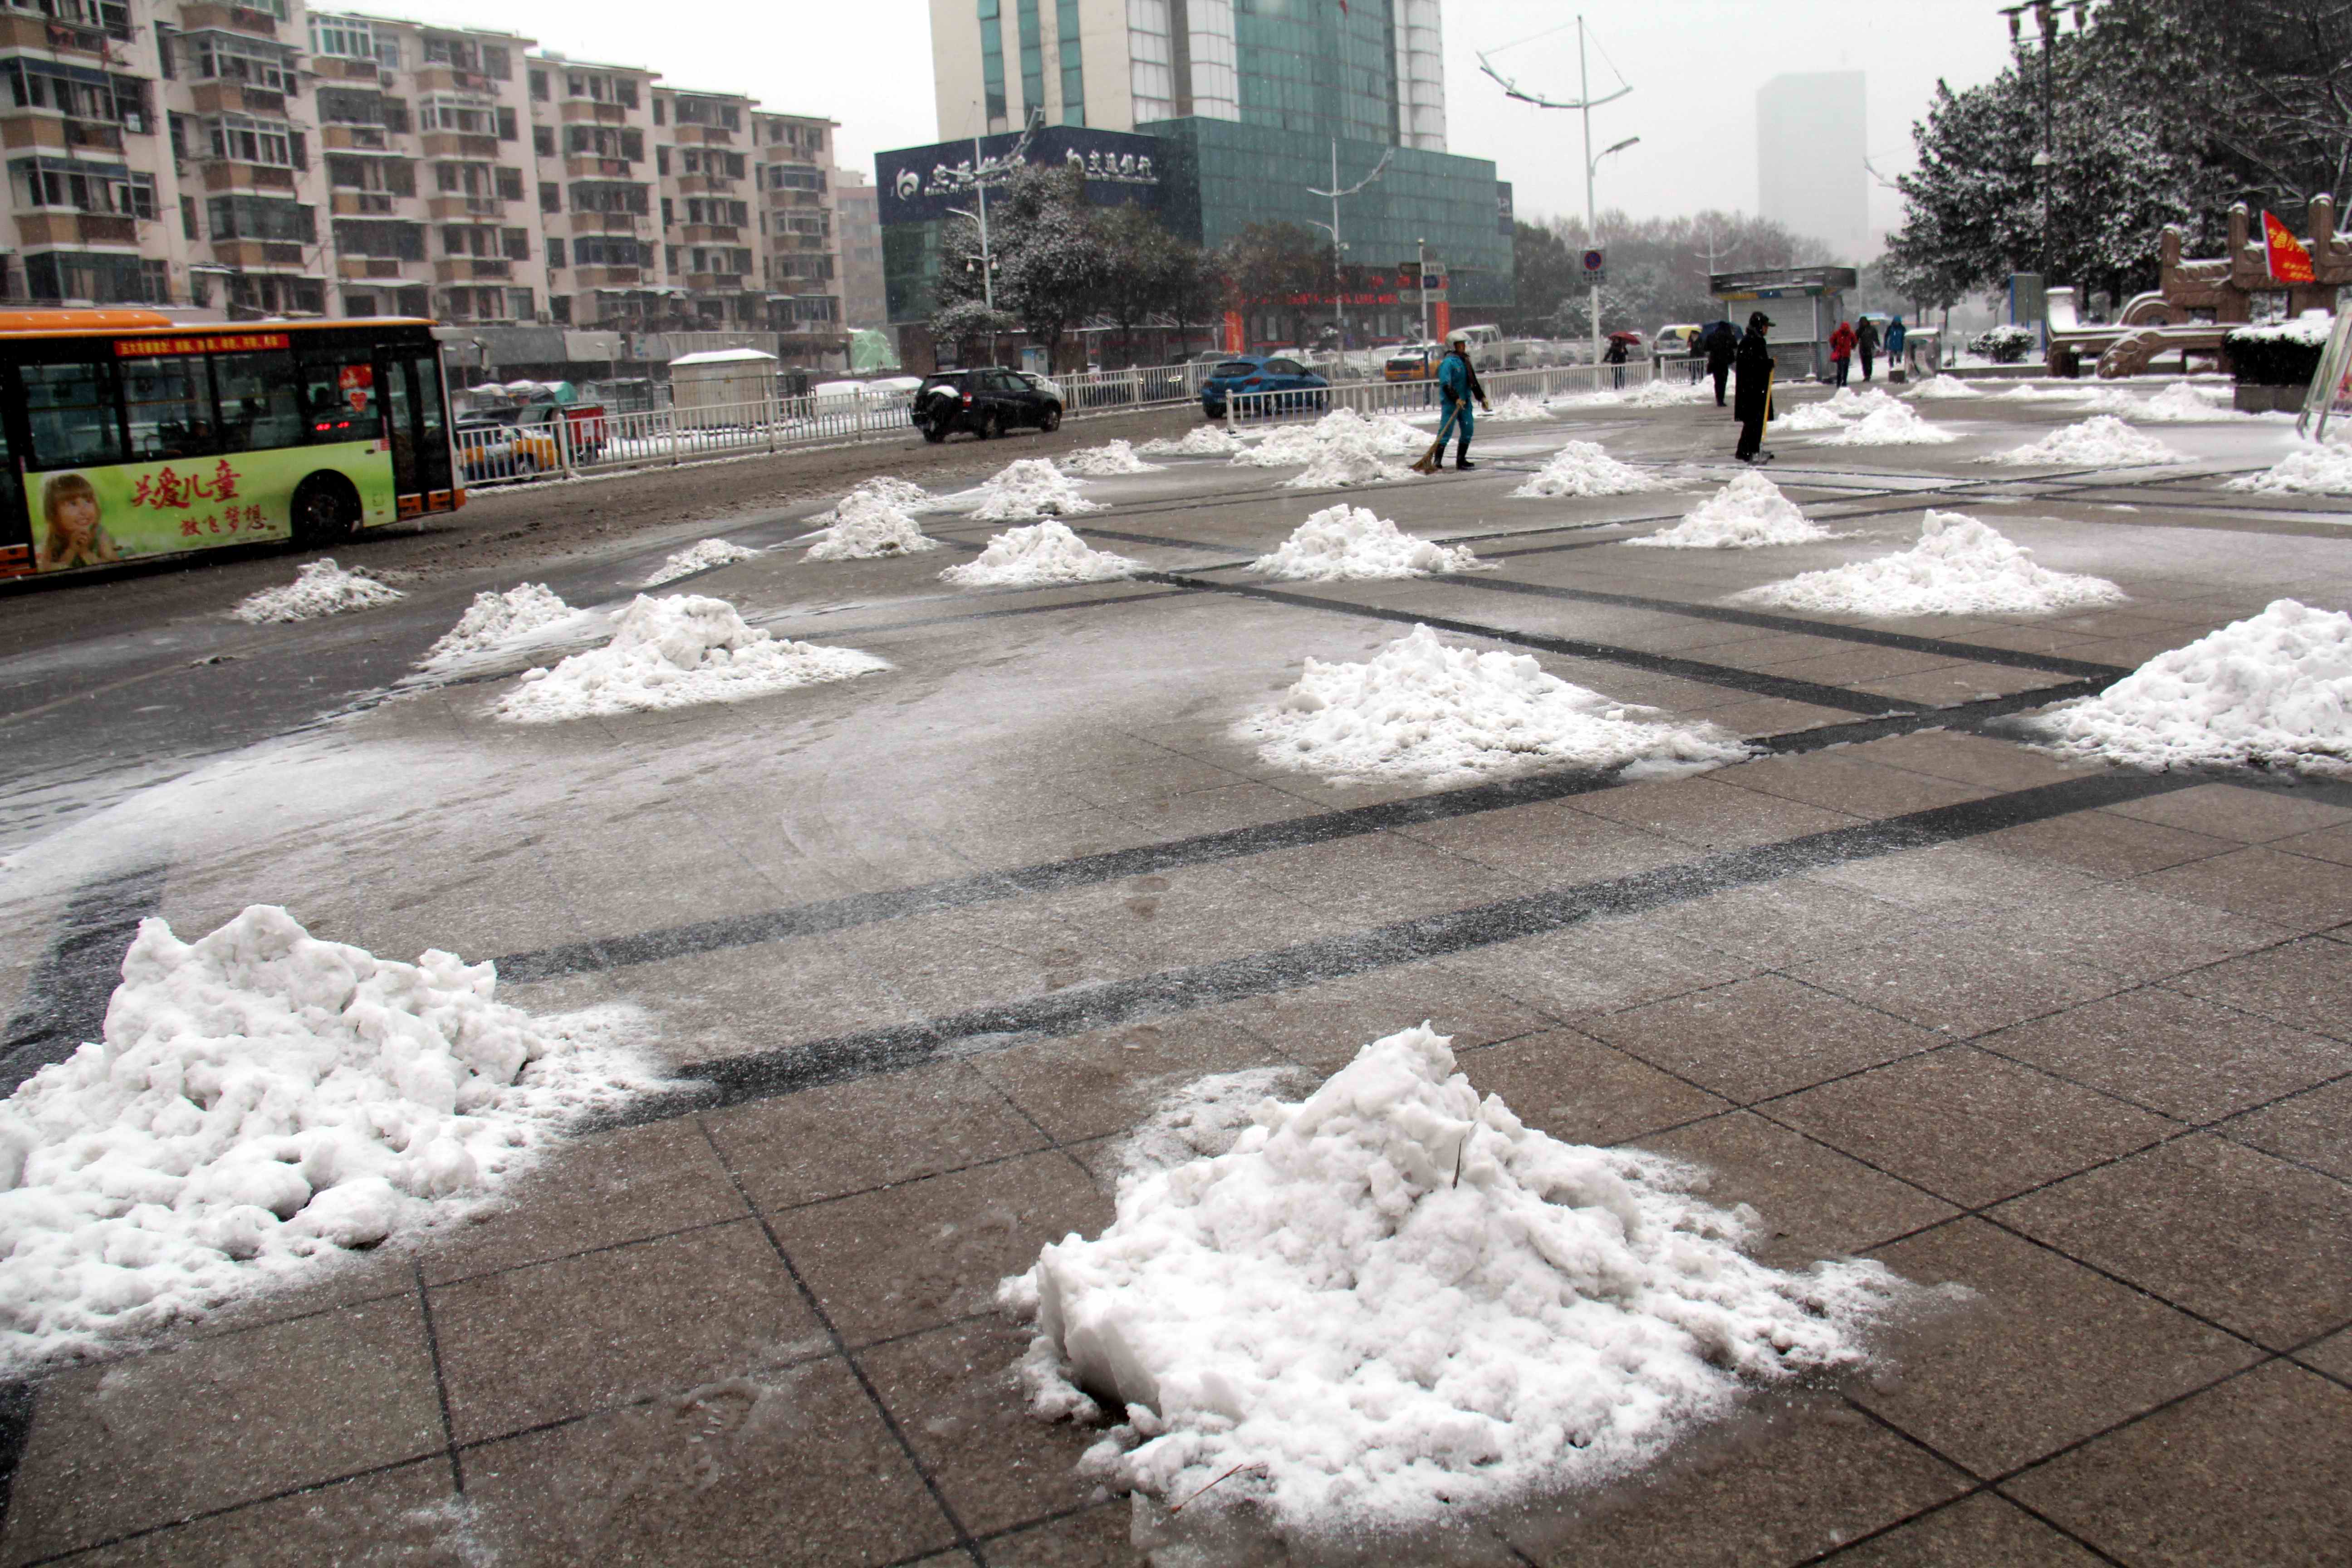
pixel 921 952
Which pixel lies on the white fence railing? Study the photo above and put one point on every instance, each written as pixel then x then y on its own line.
pixel 1410 397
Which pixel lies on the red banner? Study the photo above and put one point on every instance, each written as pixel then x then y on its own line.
pixel 2289 261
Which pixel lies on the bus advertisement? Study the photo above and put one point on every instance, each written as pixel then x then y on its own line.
pixel 125 437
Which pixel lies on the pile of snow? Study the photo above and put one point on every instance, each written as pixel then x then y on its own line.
pixel 701 557
pixel 1515 409
pixel 867 524
pixel 1807 417
pixel 1649 394
pixel 1343 542
pixel 260 1101
pixel 1343 433
pixel 320 588
pixel 1420 710
pixel 1746 514
pixel 2274 690
pixel 1337 466
pixel 1032 487
pixel 1115 457
pixel 890 489
pixel 1583 469
pixel 494 619
pixel 1945 389
pixel 1959 567
pixel 2325 470
pixel 2091 399
pixel 1892 425
pixel 1040 556
pixel 2102 441
pixel 678 653
pixel 1200 441
pixel 1847 403
pixel 1393 1300
pixel 2183 402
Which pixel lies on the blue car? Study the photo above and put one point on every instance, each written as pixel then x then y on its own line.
pixel 1263 372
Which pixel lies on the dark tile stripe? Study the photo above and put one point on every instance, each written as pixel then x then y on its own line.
pixel 813 1063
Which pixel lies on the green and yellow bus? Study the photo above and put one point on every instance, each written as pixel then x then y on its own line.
pixel 125 436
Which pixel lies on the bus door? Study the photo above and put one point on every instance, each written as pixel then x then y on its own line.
pixel 419 424
pixel 15 525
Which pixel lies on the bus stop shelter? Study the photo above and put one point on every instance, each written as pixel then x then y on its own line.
pixel 1806 303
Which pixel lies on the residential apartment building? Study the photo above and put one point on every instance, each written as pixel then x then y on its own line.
pixel 262 158
pixel 865 303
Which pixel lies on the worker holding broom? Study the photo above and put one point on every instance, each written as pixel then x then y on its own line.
pixel 1457 383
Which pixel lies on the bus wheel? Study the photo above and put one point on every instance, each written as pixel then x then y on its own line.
pixel 325 509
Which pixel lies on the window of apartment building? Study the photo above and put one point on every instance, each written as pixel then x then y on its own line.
pixel 816 307
pixel 259 217
pixel 101 280
pixel 271 295
pixel 593 197
pixel 542 141
pixel 807 224
pixel 668 217
pixel 188 218
pixel 460 112
pixel 342 106
pixel 515 244
pixel 554 252
pixel 661 159
pixel 604 89
pixel 669 255
pixel 459 54
pixel 249 141
pixel 233 56
pixel 39 181
pixel 609 251
pixel 468 240
pixel 605 141
pixel 387 53
pixel 551 199
pixel 396 115
pixel 539 86
pixel 510 183
pixel 521 304
pixel 782 178
pixel 509 130
pixel 709 111
pixel 714 210
pixel 38 84
pixel 559 307
pixel 660 110
pixel 348 36
pixel 380 238
pixel 394 177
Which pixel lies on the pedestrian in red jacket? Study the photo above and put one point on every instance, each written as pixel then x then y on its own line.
pixel 1841 350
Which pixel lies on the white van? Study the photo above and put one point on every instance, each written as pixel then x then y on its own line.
pixel 1485 343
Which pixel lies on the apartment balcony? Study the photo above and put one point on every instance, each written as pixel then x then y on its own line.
pixel 364 204
pixel 718 282
pixel 378 267
pixel 223 175
pixel 706 185
pixel 34 227
pixel 196 18
pixel 795 199
pixel 709 234
pixel 588 111
pixel 611 223
pixel 64 38
pixel 449 79
pixel 465 269
pixel 336 67
pixel 443 207
pixel 356 139
pixel 236 98
pixel 607 277
pixel 586 167
pixel 459 144
pixel 274 252
pixel 701 136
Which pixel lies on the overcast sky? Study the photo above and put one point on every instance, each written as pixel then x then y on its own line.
pixel 1695 66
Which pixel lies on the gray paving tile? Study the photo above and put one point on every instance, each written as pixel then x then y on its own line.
pixel 1977 1531
pixel 1385 877
pixel 2257 1469
pixel 2102 844
pixel 1709 815
pixel 1323 1026
pixel 2288 891
pixel 1088 1086
pixel 2308 984
pixel 2258 1246
pixel 2042 1353
pixel 2312 1129
pixel 1970 758
pixel 2175 1053
pixel 1095 1539
pixel 2331 1356
pixel 1549 842
pixel 407 1514
pixel 2241 814
pixel 1969 1126
pixel 1582 1091
pixel 1762 1037
pixel 1850 785
pixel 1599 966
pixel 1786 922
pixel 1950 879
pixel 2129 932
pixel 1963 980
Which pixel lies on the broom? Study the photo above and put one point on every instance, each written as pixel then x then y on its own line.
pixel 1428 463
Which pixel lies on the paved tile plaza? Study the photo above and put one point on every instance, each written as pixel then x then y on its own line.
pixel 922 948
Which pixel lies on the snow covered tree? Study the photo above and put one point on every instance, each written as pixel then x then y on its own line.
pixel 1271 268
pixel 1657 268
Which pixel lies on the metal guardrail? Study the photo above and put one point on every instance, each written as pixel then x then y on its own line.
pixel 1412 396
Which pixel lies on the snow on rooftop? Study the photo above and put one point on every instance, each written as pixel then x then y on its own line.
pixel 1421 710
pixel 700 556
pixel 1583 468
pixel 1112 458
pixel 1960 566
pixel 320 588
pixel 1749 513
pixel 260 1101
pixel 2102 441
pixel 1343 542
pixel 723 357
pixel 1039 556
pixel 676 653
pixel 2273 691
pixel 1393 1299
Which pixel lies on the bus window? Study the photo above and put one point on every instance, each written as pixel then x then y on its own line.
pixel 70 411
pixel 260 402
pixel 169 405
pixel 338 395
pixel 433 424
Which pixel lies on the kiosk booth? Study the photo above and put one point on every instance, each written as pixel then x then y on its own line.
pixel 1795 326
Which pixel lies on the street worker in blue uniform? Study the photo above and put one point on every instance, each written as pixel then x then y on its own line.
pixel 1457 383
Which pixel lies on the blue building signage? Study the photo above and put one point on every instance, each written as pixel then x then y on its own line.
pixel 919 184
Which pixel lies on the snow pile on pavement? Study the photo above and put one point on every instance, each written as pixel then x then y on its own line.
pixel 1420 709
pixel 1749 513
pixel 2091 399
pixel 261 1100
pixel 1515 409
pixel 1945 389
pixel 868 524
pixel 1039 556
pixel 1032 487
pixel 904 494
pixel 494 618
pixel 2182 402
pixel 1342 432
pixel 1891 425
pixel 2102 441
pixel 2325 470
pixel 1807 417
pixel 2274 690
pixel 701 557
pixel 676 653
pixel 320 588
pixel 1649 394
pixel 1583 468
pixel 1200 441
pixel 1115 457
pixel 1343 542
pixel 1393 1299
pixel 1340 465
pixel 1959 567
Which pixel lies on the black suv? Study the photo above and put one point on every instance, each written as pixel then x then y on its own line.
pixel 986 402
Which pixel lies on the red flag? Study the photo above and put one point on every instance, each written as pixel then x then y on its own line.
pixel 2289 261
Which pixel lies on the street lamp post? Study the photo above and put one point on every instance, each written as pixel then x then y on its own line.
pixel 1420 276
pixel 1339 249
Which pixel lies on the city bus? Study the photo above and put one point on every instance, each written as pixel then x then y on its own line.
pixel 126 436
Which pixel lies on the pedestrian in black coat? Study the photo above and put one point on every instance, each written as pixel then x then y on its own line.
pixel 1751 402
pixel 1722 346
pixel 1866 340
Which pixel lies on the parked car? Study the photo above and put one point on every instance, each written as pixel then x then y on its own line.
pixel 520 441
pixel 1677 339
pixel 1045 384
pixel 1263 372
pixel 987 401
pixel 1412 361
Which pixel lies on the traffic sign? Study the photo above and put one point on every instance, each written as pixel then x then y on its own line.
pixel 1593 261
